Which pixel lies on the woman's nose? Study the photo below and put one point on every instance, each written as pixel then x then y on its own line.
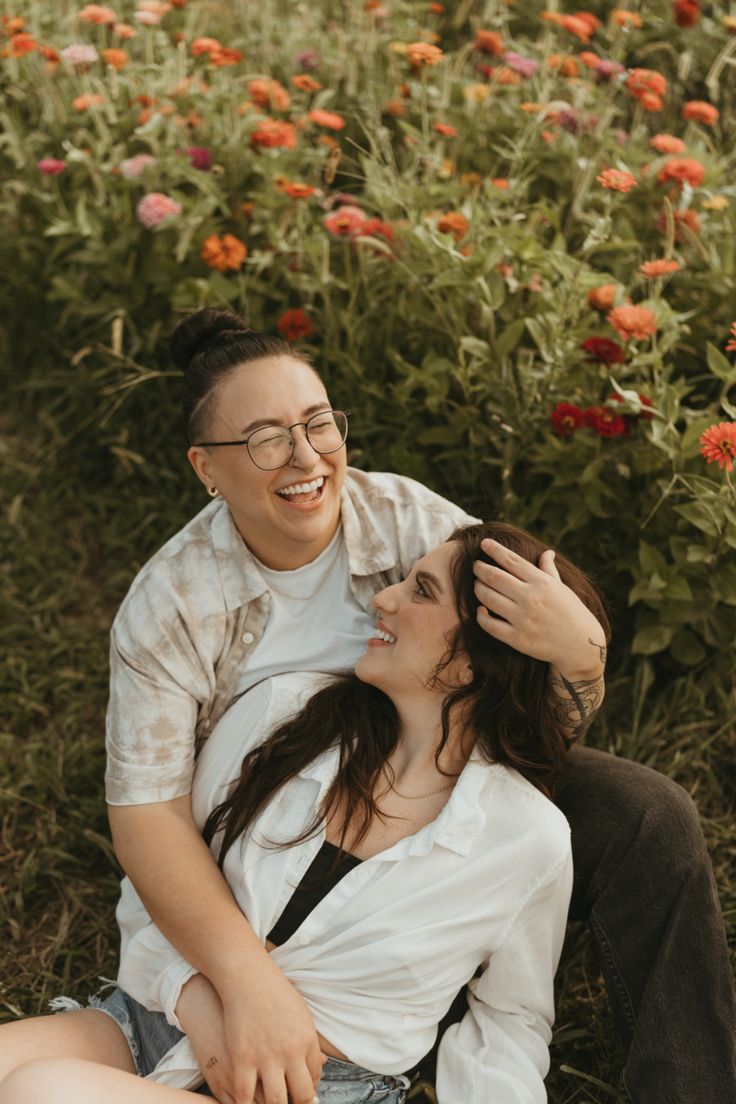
pixel 385 600
pixel 303 456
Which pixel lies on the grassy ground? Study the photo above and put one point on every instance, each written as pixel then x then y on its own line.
pixel 73 534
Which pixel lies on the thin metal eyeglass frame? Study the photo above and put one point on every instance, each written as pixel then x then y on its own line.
pixel 291 428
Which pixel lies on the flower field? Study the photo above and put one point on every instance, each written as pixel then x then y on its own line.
pixel 507 234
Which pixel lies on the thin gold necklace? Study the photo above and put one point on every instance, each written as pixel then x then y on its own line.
pixel 417 797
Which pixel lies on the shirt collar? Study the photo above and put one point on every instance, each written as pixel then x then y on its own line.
pixel 368 550
pixel 240 578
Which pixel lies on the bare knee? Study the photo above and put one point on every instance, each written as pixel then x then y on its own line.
pixel 44 1081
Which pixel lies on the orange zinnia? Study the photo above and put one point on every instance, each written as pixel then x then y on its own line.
pixel 272 134
pixel 295 189
pixel 617 180
pixel 731 344
pixel 453 223
pixel 632 322
pixel 269 95
pixel 423 53
pixel 20 45
pixel 698 111
pixel 625 18
pixel 87 100
pixel 718 445
pixel 488 42
pixel 327 119
pixel 117 59
pixel 225 253
pixel 640 81
pixel 660 267
pixel 96 13
pixel 589 59
pixel 602 298
pixel 682 170
pixel 667 143
pixel 305 83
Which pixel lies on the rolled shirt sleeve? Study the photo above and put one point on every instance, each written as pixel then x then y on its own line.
pixel 499 1051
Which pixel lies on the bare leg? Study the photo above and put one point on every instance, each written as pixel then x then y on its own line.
pixel 70 1081
pixel 86 1034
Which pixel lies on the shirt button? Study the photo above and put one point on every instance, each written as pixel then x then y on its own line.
pixel 247 638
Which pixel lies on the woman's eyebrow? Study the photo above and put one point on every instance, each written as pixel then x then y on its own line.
pixel 428 577
pixel 260 422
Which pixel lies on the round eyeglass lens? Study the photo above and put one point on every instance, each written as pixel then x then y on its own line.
pixel 272 446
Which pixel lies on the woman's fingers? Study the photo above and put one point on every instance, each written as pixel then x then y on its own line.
pixel 509 560
pixel 302 1086
pixel 273 1087
pixel 496 601
pixel 547 563
pixel 244 1085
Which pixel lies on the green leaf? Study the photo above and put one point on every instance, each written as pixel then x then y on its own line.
pixel 653 638
pixel 651 559
pixel 509 338
pixel 700 517
pixel 719 364
pixel 723 583
pixel 687 648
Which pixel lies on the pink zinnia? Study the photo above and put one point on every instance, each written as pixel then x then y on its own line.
pixel 346 222
pixel 147 18
pixel 718 445
pixel 525 67
pixel 154 208
pixel 200 157
pixel 79 53
pixel 51 166
pixel 133 167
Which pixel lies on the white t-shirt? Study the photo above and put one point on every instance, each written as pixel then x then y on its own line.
pixel 316 623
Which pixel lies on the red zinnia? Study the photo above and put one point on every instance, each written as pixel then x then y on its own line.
pixel 686 12
pixel 605 422
pixel 603 350
pixel 566 418
pixel 718 444
pixel 294 324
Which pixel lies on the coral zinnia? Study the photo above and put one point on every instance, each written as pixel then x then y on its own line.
pixel 660 267
pixel 97 13
pixel 453 223
pixel 87 100
pixel 329 119
pixel 116 59
pixel 667 143
pixel 346 222
pixel 445 130
pixel 682 170
pixel 566 418
pixel 617 180
pixel 718 444
pixel 698 111
pixel 294 324
pixel 640 81
pixel 488 42
pixel 305 83
pixel 632 322
pixel 602 298
pixel 731 346
pixel 269 95
pixel 50 166
pixel 423 53
pixel 273 134
pixel 225 253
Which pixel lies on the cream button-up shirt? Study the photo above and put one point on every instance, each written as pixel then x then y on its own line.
pixel 380 958
pixel 197 610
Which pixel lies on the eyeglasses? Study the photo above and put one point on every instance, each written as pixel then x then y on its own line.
pixel 272 447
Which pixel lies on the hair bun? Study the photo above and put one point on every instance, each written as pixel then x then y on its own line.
pixel 201 329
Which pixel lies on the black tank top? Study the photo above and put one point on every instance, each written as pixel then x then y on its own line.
pixel 329 866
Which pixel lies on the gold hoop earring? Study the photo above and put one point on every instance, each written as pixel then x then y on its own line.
pixel 212 492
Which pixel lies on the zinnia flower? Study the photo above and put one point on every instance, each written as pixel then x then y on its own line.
pixel 225 253
pixel 327 119
pixel 308 59
pixel 632 322
pixel 525 67
pixel 686 12
pixel 294 324
pixel 97 13
pixel 345 222
pixel 423 53
pixel 269 95
pixel 624 18
pixel 488 42
pixel 87 100
pixel 602 298
pixel 133 167
pixel 50 166
pixel 154 207
pixel 718 444
pixel 606 69
pixel 147 18
pixel 305 83
pixel 603 350
pixel 124 30
pixel 659 268
pixel 605 422
pixel 273 134
pixel 294 189
pixel 200 157
pixel 20 45
pixel 617 180
pixel 667 143
pixel 698 111
pixel 445 130
pixel 640 81
pixel 116 59
pixel 731 345
pixel 453 223
pixel 79 53
pixel 566 418
pixel 682 170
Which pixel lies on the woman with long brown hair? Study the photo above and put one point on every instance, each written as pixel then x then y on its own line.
pixel 389 834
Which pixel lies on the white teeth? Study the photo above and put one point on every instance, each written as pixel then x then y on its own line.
pixel 302 488
pixel 385 636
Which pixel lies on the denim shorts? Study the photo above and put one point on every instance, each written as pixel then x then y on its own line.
pixel 150 1036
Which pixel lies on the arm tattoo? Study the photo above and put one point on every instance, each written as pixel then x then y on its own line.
pixel 601 648
pixel 210 1062
pixel 575 704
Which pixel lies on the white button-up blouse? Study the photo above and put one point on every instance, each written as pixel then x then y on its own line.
pixel 379 960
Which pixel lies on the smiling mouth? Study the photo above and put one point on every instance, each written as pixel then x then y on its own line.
pixel 386 637
pixel 309 490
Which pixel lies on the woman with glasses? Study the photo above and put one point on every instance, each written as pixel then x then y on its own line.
pixel 389 835
pixel 276 575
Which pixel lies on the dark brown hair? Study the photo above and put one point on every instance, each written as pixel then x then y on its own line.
pixel 206 347
pixel 506 711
